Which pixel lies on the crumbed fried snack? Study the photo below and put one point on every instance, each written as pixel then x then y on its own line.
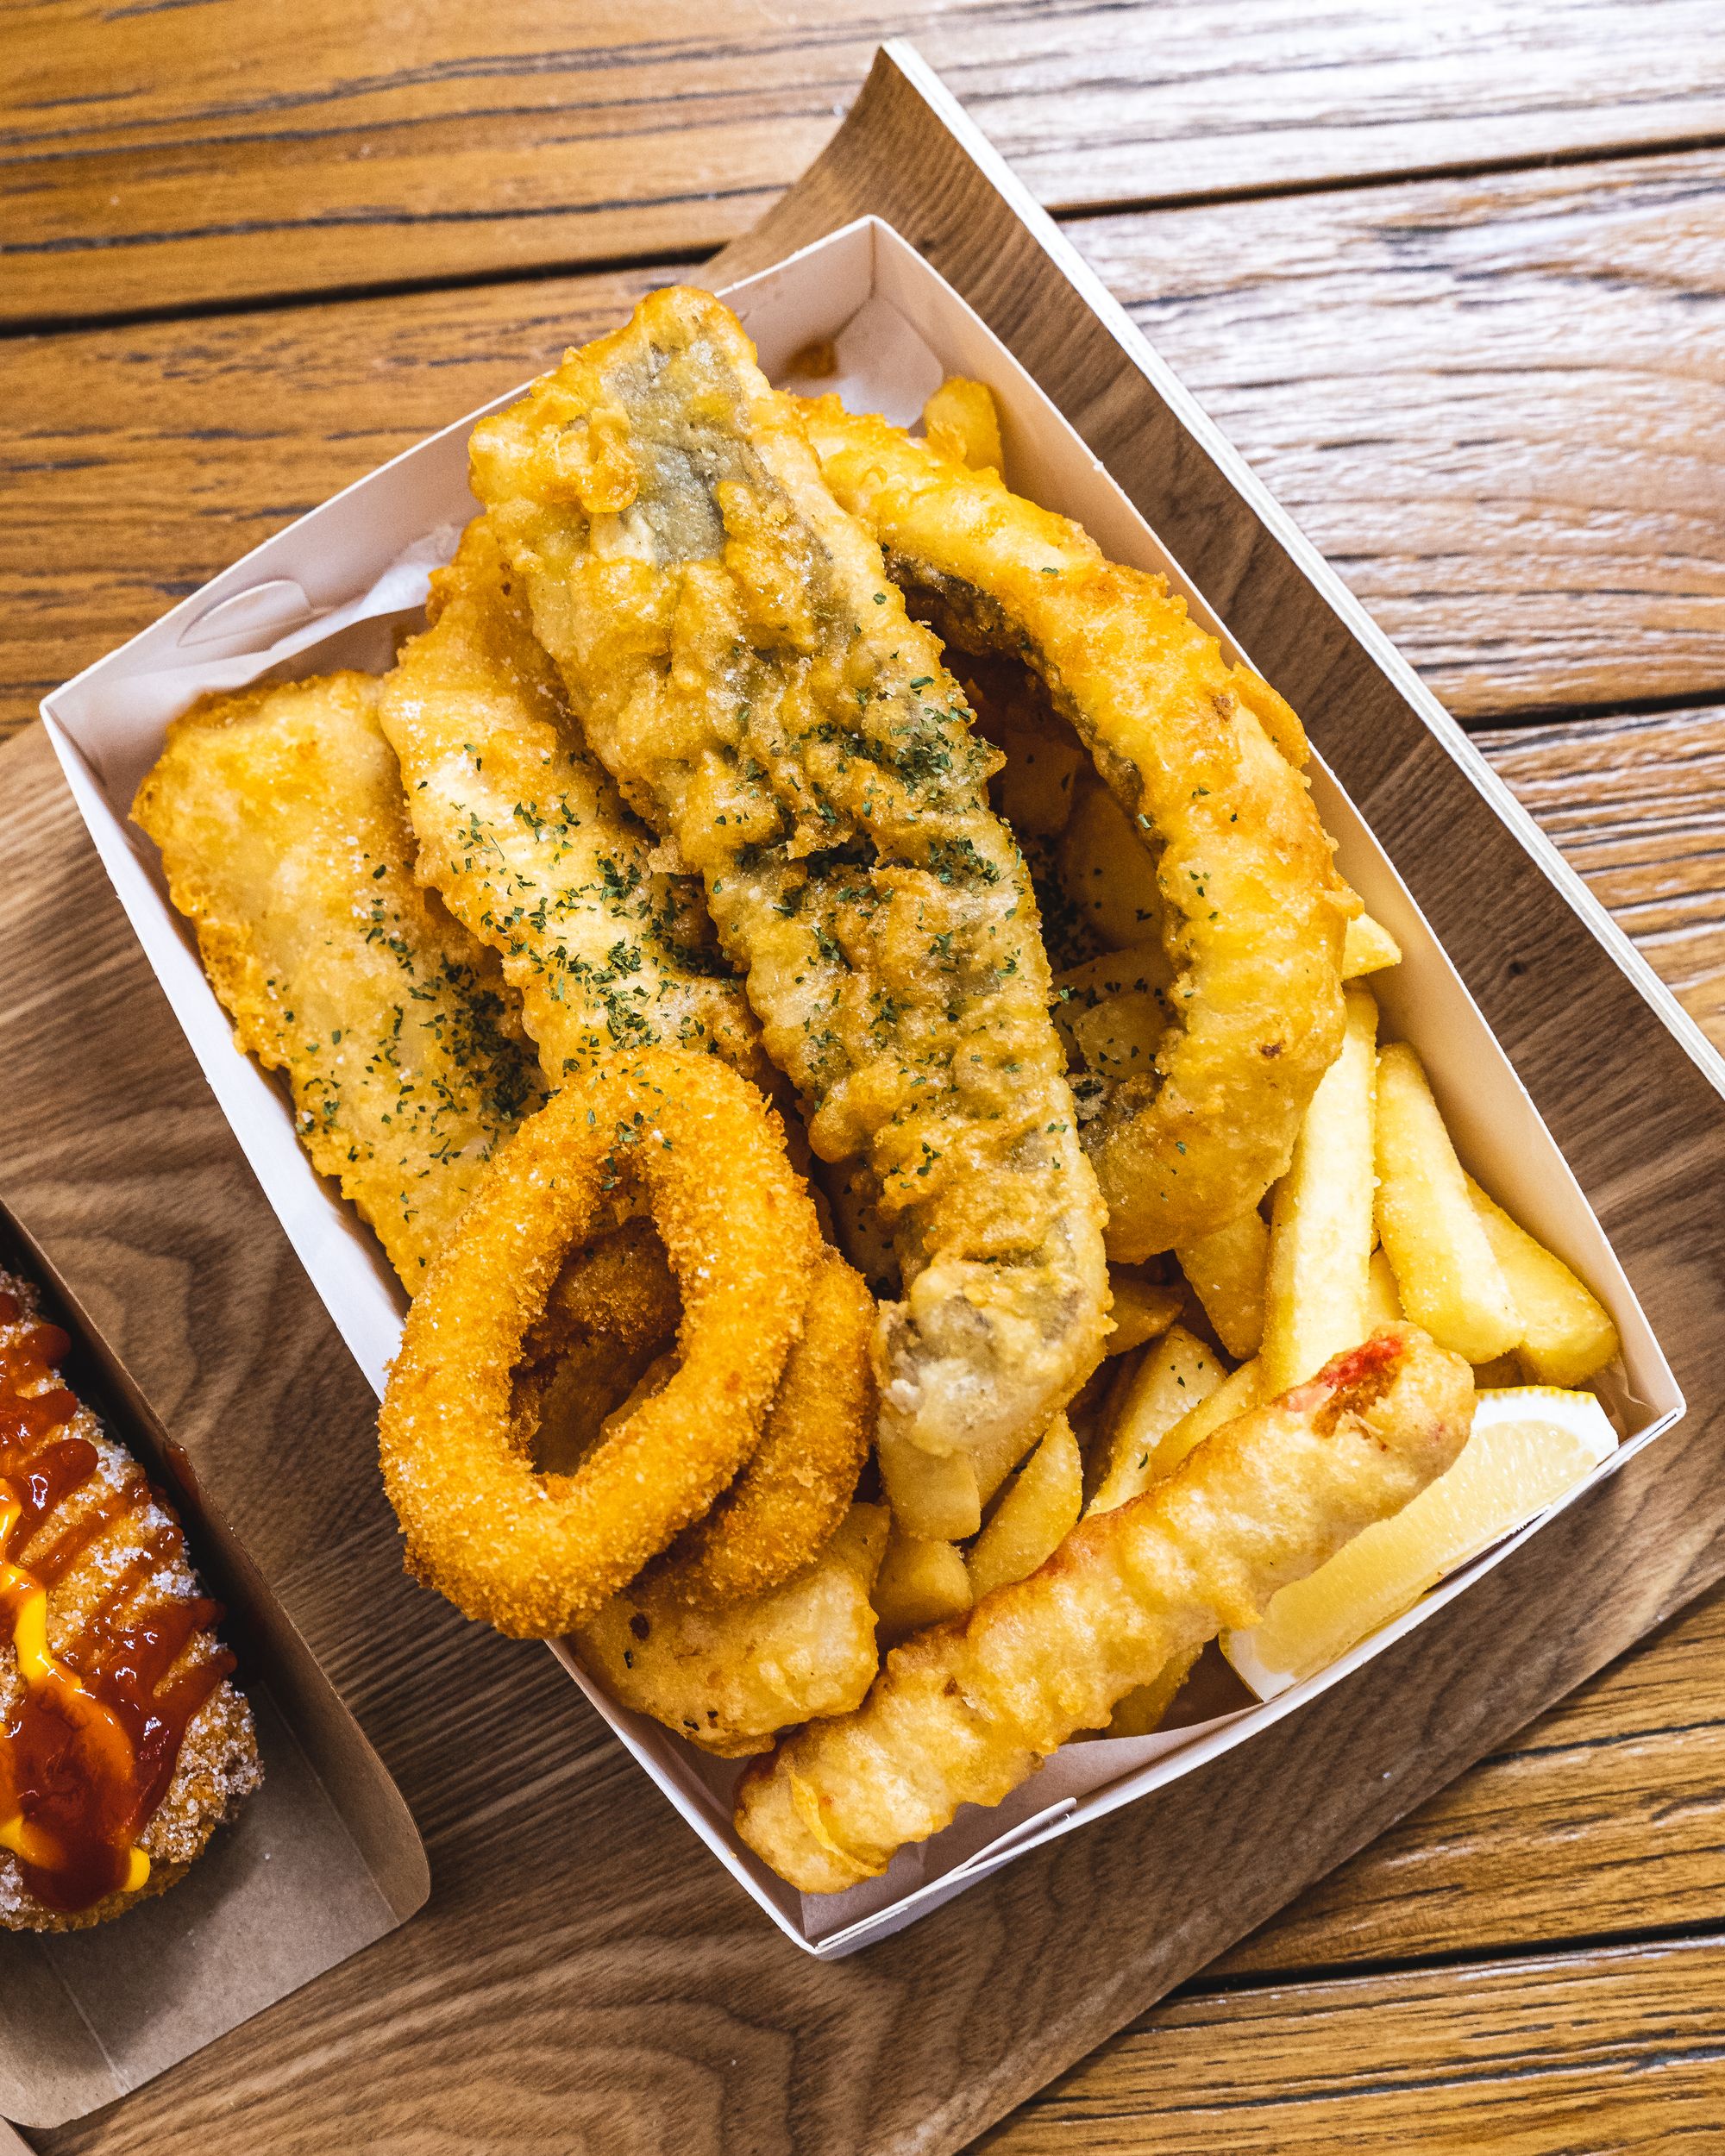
pixel 786 1504
pixel 741 662
pixel 1204 757
pixel 124 1744
pixel 524 835
pixel 729 1679
pixel 278 813
pixel 537 1556
pixel 961 1714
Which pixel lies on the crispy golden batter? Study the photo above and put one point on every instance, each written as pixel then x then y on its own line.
pixel 729 1679
pixel 1203 757
pixel 787 1502
pixel 741 664
pixel 535 1556
pixel 522 831
pixel 218 1763
pixel 964 1712
pixel 278 813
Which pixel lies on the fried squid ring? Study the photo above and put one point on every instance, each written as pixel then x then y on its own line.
pixel 786 1504
pixel 1203 757
pixel 535 1556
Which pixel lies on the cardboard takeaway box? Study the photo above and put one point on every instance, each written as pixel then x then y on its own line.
pixel 337 588
pixel 319 1863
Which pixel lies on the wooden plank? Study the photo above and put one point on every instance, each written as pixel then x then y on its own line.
pixel 578 1979
pixel 164 154
pixel 1490 401
pixel 1604 2053
pixel 1603 1820
pixel 1496 404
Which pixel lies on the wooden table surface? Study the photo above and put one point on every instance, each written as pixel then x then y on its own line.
pixel 1453 280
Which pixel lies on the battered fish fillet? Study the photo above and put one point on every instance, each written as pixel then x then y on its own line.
pixel 743 665
pixel 963 1712
pixel 729 1679
pixel 523 832
pixel 278 813
pixel 130 1578
pixel 1204 757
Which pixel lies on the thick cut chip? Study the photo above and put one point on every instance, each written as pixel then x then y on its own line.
pixel 278 813
pixel 1038 1510
pixel 1567 1335
pixel 920 1582
pixel 743 665
pixel 1226 1269
pixel 1447 1272
pixel 1316 1292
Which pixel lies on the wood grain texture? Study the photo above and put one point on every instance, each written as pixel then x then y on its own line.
pixel 580 1985
pixel 161 154
pixel 1499 406
pixel 584 1979
pixel 1594 2054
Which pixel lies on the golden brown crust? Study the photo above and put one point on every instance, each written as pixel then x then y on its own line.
pixel 964 1712
pixel 744 666
pixel 729 1678
pixel 1253 910
pixel 522 831
pixel 786 1503
pixel 536 1556
pixel 278 813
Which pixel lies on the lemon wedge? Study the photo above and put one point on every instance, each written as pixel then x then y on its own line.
pixel 1530 1446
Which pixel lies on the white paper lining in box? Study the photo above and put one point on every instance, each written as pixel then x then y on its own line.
pixel 335 588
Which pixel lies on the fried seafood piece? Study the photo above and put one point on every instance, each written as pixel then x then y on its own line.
pixel 523 834
pixel 741 662
pixel 961 1714
pixel 537 1555
pixel 123 1742
pixel 731 1678
pixel 278 813
pixel 786 1503
pixel 1204 757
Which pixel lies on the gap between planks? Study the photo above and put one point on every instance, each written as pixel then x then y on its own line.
pixel 345 292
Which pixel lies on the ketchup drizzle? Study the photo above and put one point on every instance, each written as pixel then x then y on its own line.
pixel 88 1750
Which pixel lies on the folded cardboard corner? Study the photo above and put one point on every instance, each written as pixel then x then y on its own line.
pixel 323 1860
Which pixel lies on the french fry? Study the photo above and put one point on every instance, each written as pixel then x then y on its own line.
pixel 1175 1375
pixel 918 1583
pixel 1037 786
pixel 1142 1310
pixel 1382 1301
pixel 962 422
pixel 1039 1509
pixel 1316 1298
pixel 1227 1269
pixel 1140 1713
pixel 1368 946
pixel 1567 1335
pixel 1110 1011
pixel 935 1495
pixel 1236 1395
pixel 1108 873
pixel 1446 1272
